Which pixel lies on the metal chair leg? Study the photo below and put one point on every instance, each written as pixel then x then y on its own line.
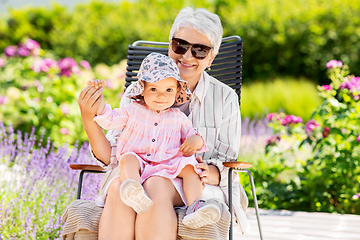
pixel 81 176
pixel 255 198
pixel 230 202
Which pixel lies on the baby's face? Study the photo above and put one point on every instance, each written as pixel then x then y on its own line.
pixel 160 95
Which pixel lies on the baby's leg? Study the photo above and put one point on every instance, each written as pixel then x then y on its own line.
pixel 191 183
pixel 131 191
pixel 200 212
pixel 129 168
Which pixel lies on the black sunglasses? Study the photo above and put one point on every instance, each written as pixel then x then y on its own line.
pixel 180 46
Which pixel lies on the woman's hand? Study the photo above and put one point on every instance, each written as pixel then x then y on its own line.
pixel 89 101
pixel 210 174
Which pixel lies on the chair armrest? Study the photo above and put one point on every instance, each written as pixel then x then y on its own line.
pixel 90 167
pixel 237 164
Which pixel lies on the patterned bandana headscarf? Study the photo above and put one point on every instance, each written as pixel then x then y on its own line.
pixel 154 68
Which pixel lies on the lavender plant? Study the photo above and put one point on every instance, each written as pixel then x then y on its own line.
pixel 37 184
pixel 324 152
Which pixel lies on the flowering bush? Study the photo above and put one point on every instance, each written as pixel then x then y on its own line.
pixel 321 158
pixel 37 184
pixel 38 90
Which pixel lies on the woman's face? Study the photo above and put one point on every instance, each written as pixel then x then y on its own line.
pixel 190 67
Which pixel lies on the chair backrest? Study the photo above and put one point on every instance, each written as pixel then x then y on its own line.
pixel 226 67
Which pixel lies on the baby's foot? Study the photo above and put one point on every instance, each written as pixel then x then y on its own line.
pixel 201 213
pixel 132 194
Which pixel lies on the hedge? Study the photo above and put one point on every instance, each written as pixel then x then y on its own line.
pixel 281 37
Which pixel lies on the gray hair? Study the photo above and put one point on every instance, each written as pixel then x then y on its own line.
pixel 203 21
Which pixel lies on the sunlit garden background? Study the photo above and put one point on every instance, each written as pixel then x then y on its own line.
pixel 300 100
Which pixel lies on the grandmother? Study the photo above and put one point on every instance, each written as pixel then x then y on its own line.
pixel 214 110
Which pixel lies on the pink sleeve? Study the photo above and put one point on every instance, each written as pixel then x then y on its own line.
pixel 112 119
pixel 187 131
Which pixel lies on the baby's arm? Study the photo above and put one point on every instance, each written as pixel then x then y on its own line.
pixel 191 145
pixel 98 83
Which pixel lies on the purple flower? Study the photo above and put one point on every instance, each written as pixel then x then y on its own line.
pixel 326 87
pixel 353 85
pixel 85 64
pixel 23 52
pixel 10 51
pixel 2 62
pixel 358 138
pixel 272 140
pixel 334 64
pixel 68 66
pixel 31 44
pixel 43 65
pixel 310 126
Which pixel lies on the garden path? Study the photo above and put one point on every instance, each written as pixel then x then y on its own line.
pixel 290 225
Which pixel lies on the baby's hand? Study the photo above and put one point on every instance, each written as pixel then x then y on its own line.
pixel 190 145
pixel 97 83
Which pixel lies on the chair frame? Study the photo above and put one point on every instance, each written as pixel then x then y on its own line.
pixel 232 77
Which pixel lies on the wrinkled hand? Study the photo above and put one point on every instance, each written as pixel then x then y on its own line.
pixel 90 100
pixel 205 170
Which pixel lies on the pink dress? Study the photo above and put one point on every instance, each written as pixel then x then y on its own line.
pixel 153 137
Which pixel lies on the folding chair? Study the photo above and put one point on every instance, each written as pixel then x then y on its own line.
pixel 226 67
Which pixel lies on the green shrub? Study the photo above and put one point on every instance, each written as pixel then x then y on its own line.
pixel 292 96
pixel 294 38
pixel 41 91
pixel 315 166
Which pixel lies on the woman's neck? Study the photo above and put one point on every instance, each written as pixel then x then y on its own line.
pixel 193 81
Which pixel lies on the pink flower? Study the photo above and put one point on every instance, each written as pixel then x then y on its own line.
pixel 68 66
pixel 109 84
pixel 326 87
pixel 10 51
pixel 356 196
pixel 64 108
pixel 4 99
pixel 358 138
pixel 2 62
pixel 31 44
pixel 64 131
pixel 310 126
pixel 85 64
pixel 334 64
pixel 43 65
pixel 23 52
pixel 290 119
pixel 270 116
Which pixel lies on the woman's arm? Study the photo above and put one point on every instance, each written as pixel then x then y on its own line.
pixel 89 101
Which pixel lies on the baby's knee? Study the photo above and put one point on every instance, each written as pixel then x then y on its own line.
pixel 128 160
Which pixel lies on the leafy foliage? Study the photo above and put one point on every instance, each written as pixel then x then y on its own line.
pixel 290 38
pixel 38 89
pixel 316 165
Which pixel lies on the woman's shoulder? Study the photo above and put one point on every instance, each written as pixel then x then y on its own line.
pixel 216 84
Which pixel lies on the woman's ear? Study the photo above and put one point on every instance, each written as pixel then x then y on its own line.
pixel 211 60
